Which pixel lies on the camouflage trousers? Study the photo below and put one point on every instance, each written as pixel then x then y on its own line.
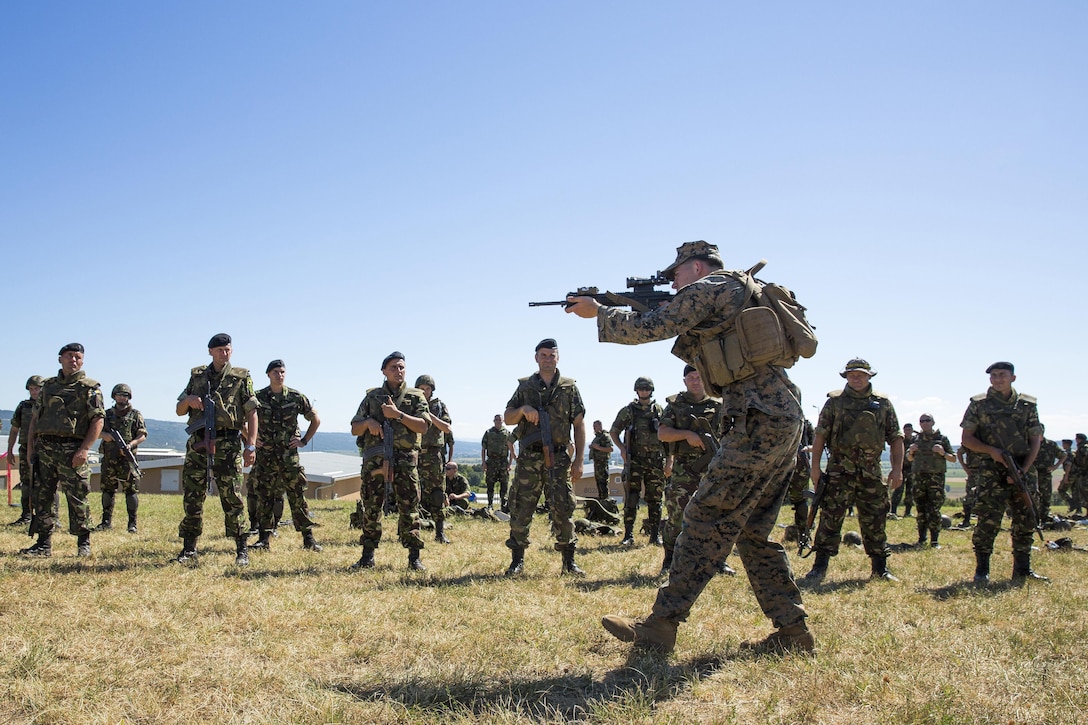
pixel 118 473
pixel 996 494
pixel 929 498
pixel 600 476
pixel 904 493
pixel 970 493
pixel 25 499
pixel 643 472
pixel 1069 490
pixel 530 479
pixel 275 474
pixel 796 492
pixel 497 473
pixel 678 491
pixel 55 471
pixel 737 501
pixel 864 489
pixel 227 470
pixel 1045 480
pixel 432 482
pixel 406 494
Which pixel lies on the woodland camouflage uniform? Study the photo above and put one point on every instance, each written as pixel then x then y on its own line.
pixel 638 423
pixel 1049 453
pixel 929 469
pixel 681 412
pixel 117 471
pixel 601 461
pixel 496 444
pixel 432 461
pixel 20 421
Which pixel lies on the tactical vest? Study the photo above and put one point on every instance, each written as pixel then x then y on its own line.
pixel 228 393
pixel 555 401
pixel 63 406
pixel 1005 424
pixel 859 423
pixel 125 425
pixel 705 411
pixel 495 443
pixel 925 460
pixel 640 437
pixel 433 437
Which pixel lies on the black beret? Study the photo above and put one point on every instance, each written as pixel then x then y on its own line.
pixel 219 340
pixel 71 347
pixel 395 355
pixel 548 342
pixel 1001 366
pixel 277 363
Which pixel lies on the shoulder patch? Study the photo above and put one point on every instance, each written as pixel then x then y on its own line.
pixel 239 372
pixel 565 382
pixel 1029 398
pixel 198 370
pixel 92 383
pixel 979 398
pixel 835 393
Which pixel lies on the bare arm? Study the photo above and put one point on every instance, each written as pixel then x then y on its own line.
pixel 311 430
pixel 668 434
pixel 818 442
pixel 93 431
pixel 895 477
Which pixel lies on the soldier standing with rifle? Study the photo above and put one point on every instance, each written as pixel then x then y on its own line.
pixel 643 459
pixel 435 449
pixel 20 430
pixel 276 469
pixel 215 452
pixel 67 420
pixel 740 494
pixel 391 421
pixel 998 422
pixel 545 407
pixel 123 431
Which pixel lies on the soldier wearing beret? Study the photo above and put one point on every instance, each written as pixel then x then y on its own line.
pixel 738 498
pixel 20 431
pixel 231 390
pixel 276 469
pixel 391 409
pixel 118 470
pixel 544 456
pixel 66 422
pixel 635 434
pixel 1003 420
pixel 854 425
pixel 435 448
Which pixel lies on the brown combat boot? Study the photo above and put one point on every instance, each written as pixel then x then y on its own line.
pixel 652 633
pixel 794 638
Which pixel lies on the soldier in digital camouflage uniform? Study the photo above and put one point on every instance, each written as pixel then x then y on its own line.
pixel 405 409
pixel 117 470
pixel 686 415
pixel 545 390
pixel 969 462
pixel 496 455
pixel 231 389
pixel 905 493
pixel 854 425
pixel 600 452
pixel 929 455
pixel 1002 419
pixel 739 496
pixel 20 431
pixel 433 456
pixel 66 422
pixel 277 470
pixel 635 433
pixel 1050 458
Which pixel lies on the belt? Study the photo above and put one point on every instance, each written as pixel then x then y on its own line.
pixel 59 439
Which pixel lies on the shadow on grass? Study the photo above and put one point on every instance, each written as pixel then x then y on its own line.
pixel 644 678
pixel 969 589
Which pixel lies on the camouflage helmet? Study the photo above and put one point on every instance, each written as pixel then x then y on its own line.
pixel 644 383
pixel 858 365
pixel 425 380
pixel 121 389
pixel 34 380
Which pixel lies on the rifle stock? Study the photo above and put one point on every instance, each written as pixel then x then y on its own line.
pixel 701 426
pixel 125 450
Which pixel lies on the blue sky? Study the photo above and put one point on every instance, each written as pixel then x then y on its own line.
pixel 331 181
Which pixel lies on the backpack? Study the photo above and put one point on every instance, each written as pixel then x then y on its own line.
pixel 771 329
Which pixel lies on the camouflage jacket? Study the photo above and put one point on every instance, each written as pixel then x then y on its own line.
pixel 277 417
pixel 433 437
pixel 1049 453
pixel 704 304
pixel 561 400
pixel 129 424
pixel 496 442
pixel 907 442
pixel 639 424
pixel 231 389
pixel 1007 424
pixel 66 406
pixel 1080 462
pixel 408 400
pixel 971 459
pixel 925 460
pixel 601 458
pixel 857 425
pixel 680 413
pixel 456 485
pixel 20 420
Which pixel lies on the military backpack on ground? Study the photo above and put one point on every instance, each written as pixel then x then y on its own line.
pixel 771 329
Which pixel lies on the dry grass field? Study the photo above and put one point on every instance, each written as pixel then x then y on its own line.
pixel 128 636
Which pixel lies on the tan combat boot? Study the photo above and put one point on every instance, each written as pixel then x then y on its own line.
pixel 653 633
pixel 794 638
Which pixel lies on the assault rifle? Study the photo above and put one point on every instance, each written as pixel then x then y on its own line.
pixel 1024 494
pixel 385 450
pixel 545 425
pixel 804 540
pixel 701 426
pixel 207 443
pixel 120 441
pixel 642 297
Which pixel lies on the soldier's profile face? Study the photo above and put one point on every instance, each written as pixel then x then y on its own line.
pixel 688 272
pixel 71 362
pixel 857 380
pixel 394 371
pixel 1001 380
pixel 547 358
pixel 220 355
